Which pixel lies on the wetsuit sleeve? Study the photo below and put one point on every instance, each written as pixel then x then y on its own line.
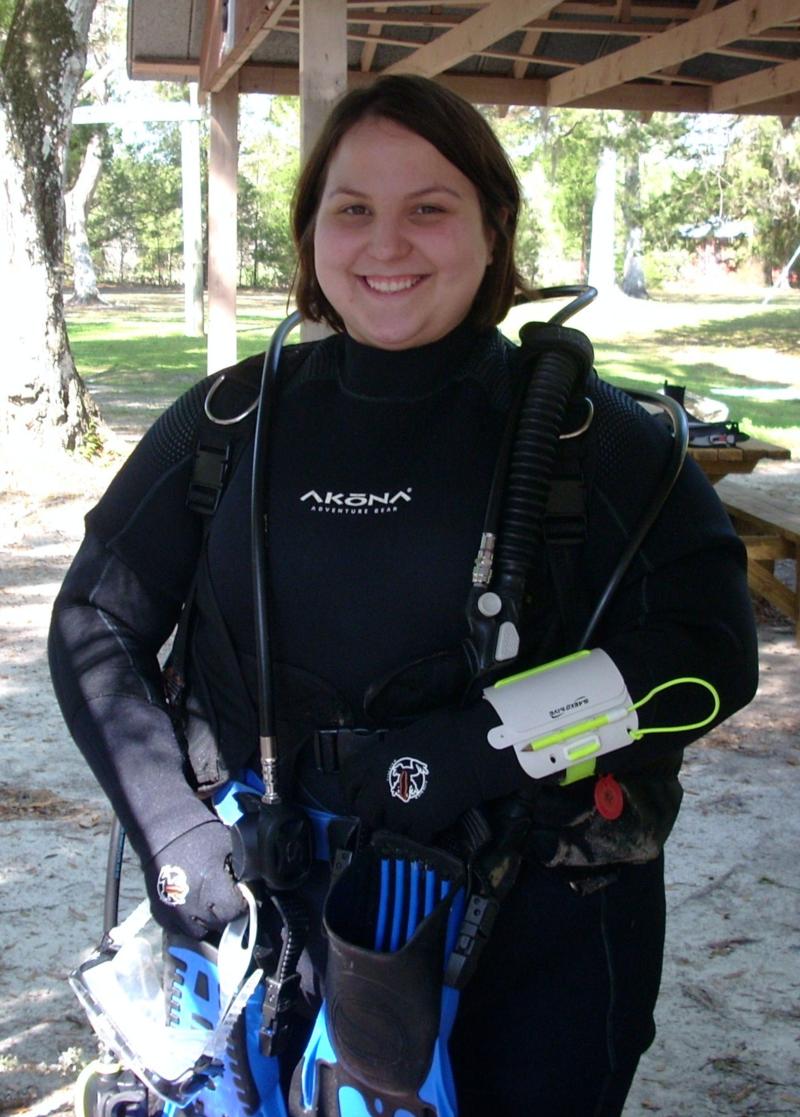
pixel 683 609
pixel 118 605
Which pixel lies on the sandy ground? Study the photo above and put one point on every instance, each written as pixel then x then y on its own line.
pixel 729 1013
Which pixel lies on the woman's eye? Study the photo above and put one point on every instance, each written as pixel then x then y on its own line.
pixel 355 210
pixel 428 209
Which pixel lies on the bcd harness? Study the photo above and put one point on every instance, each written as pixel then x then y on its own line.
pixel 544 531
pixel 226 429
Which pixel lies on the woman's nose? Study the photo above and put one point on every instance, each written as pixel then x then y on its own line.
pixel 387 239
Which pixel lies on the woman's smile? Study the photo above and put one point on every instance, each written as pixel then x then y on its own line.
pixel 392 285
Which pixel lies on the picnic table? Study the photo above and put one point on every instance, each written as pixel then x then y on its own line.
pixel 718 461
pixel 768 526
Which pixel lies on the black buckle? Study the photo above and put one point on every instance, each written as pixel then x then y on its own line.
pixel 208 478
pixel 333 747
pixel 472 937
pixel 280 996
pixel 326 750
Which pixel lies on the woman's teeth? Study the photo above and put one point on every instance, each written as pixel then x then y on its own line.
pixel 390 286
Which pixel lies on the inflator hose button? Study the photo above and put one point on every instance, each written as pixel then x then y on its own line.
pixel 489 604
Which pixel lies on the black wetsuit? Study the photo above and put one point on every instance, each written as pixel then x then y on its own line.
pixel 380 468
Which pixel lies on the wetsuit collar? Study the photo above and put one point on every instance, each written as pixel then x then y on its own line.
pixel 405 374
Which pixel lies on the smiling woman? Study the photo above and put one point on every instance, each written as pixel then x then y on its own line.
pixel 471 723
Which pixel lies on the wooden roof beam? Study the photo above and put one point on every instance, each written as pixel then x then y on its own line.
pixel 489 25
pixel 369 48
pixel 594 27
pixel 254 19
pixel 530 42
pixel 764 85
pixel 522 60
pixel 164 69
pixel 726 25
pixel 257 77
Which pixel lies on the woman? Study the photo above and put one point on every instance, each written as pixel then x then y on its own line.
pixel 382 453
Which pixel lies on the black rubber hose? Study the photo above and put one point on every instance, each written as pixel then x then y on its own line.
pixel 563 357
pixel 116 849
pixel 258 525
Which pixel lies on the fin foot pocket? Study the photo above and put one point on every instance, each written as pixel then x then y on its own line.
pixel 379 1045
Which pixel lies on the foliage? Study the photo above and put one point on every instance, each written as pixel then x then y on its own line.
pixel 748 169
pixel 769 186
pixel 269 161
pixel 674 171
pixel 6 15
pixel 136 213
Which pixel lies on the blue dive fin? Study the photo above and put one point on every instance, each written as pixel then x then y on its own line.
pixel 247 1083
pixel 379 1045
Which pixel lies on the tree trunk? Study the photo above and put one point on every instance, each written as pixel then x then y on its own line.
pixel 601 257
pixel 76 203
pixel 42 398
pixel 633 283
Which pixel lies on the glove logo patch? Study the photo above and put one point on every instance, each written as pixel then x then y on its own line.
pixel 408 778
pixel 172 885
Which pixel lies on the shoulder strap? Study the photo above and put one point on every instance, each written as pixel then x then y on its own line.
pixel 565 521
pixel 227 425
pixel 224 429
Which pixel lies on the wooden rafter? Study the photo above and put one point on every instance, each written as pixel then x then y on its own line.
pixel 493 46
pixel 574 27
pixel 529 44
pixel 489 25
pixel 730 96
pixel 254 19
pixel 369 48
pixel 736 21
pixel 518 58
pixel 490 90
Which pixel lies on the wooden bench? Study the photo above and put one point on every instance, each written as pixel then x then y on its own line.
pixel 770 530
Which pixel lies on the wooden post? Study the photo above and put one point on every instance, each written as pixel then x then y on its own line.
pixel 323 64
pixel 223 161
pixel 192 224
pixel 323 79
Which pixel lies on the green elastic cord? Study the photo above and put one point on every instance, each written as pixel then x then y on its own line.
pixel 637 734
pixel 586 768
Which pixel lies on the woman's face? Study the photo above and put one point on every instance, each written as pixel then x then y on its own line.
pixel 400 244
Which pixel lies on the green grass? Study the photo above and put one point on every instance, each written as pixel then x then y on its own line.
pixel 136 360
pixel 734 350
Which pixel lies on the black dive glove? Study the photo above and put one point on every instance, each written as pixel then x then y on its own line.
pixel 190 885
pixel 419 780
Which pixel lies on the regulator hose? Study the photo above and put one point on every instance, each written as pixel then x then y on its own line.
pixel 562 357
pixel 258 529
pixel 554 361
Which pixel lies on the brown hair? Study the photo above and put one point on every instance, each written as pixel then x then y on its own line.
pixel 463 137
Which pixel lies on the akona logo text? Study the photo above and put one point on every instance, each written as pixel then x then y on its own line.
pixel 355 503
